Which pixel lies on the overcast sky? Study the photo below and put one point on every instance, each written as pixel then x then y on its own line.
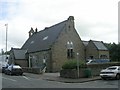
pixel 94 19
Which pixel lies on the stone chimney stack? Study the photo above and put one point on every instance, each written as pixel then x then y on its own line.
pixel 31 32
pixel 36 30
pixel 71 21
pixel 71 18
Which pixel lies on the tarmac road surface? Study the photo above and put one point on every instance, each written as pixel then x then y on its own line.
pixel 37 81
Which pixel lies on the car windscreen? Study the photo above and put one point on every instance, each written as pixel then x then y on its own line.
pixel 111 68
pixel 17 67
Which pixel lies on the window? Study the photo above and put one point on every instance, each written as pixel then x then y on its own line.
pixel 31 42
pixel 112 68
pixel 69 45
pixel 70 53
pixel 118 68
pixel 45 38
pixel 103 56
pixel 91 57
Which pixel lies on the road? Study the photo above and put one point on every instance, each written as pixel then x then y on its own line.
pixel 36 81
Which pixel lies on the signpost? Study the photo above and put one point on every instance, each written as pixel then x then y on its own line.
pixel 78 64
pixel 6 40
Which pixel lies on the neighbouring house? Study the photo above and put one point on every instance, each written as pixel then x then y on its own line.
pixel 95 50
pixel 18 56
pixel 54 45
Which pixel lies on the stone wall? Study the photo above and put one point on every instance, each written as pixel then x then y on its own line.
pixel 96 68
pixel 91 50
pixel 59 49
pixel 32 70
pixel 91 71
pixel 22 63
pixel 38 57
pixel 104 53
pixel 72 73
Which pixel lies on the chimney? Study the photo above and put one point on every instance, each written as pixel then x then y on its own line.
pixel 46 27
pixel 31 32
pixel 36 30
pixel 71 18
pixel 71 22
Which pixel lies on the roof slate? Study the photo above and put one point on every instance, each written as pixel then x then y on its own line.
pixel 85 43
pixel 43 39
pixel 19 54
pixel 100 45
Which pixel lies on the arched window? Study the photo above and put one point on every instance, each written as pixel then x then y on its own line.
pixel 70 52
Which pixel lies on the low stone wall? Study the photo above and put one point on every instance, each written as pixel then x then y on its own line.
pixel 73 73
pixel 96 68
pixel 32 70
pixel 0 70
pixel 92 70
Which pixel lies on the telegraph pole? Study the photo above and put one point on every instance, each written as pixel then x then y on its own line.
pixel 6 40
pixel 78 65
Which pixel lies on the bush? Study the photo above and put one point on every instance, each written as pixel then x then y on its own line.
pixel 72 64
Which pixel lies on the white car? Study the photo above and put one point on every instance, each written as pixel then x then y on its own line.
pixel 111 72
pixel 13 70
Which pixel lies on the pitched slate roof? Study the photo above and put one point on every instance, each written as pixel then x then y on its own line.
pixel 85 43
pixel 43 39
pixel 19 54
pixel 100 45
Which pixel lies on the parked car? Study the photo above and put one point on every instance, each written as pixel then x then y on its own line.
pixel 13 70
pixel 98 61
pixel 111 72
pixel 4 67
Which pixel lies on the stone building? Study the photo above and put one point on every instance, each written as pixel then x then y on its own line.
pixel 54 45
pixel 95 50
pixel 18 56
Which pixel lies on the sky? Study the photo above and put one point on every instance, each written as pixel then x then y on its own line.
pixel 94 19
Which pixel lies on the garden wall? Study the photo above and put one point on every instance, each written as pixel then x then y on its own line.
pixel 93 70
pixel 96 68
pixel 32 70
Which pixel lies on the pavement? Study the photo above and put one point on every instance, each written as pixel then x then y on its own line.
pixel 56 77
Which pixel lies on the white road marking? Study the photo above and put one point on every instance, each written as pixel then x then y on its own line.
pixel 105 82
pixel 26 77
pixel 9 79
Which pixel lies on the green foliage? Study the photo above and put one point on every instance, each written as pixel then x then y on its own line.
pixel 72 64
pixel 114 50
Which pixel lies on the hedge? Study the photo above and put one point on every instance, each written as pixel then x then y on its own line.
pixel 72 64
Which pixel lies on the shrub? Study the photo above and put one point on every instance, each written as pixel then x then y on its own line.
pixel 72 64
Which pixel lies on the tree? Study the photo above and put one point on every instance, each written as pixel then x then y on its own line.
pixel 114 50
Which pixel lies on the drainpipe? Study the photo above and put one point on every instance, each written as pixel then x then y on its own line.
pixel 30 57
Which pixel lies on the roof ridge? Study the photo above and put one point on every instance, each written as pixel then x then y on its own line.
pixel 41 44
pixel 52 26
pixel 95 41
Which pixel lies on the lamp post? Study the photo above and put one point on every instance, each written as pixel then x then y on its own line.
pixel 6 40
pixel 30 57
pixel 78 64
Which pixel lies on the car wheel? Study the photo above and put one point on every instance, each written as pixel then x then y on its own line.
pixel 118 76
pixel 10 73
pixel 4 72
pixel 103 78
